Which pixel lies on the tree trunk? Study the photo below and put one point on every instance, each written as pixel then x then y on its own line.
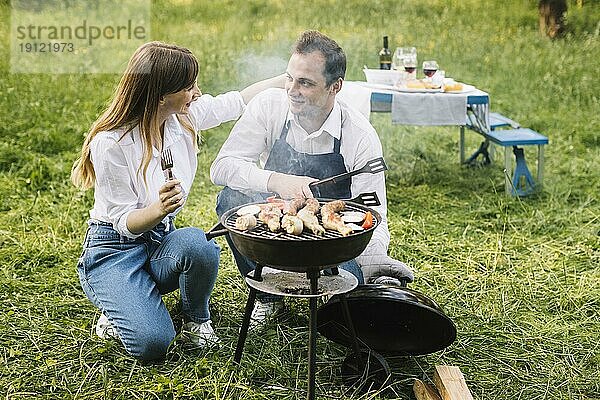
pixel 552 15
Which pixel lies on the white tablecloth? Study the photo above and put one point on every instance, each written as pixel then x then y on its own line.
pixel 429 108
pixel 426 108
pixel 356 96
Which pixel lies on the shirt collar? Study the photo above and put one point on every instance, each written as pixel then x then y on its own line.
pixel 173 130
pixel 331 126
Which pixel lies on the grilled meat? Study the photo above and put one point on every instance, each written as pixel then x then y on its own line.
pixel 295 205
pixel 331 218
pixel 334 221
pixel 308 217
pixel 333 207
pixel 245 222
pixel 312 205
pixel 292 224
pixel 271 215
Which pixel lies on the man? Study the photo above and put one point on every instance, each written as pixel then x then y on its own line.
pixel 287 139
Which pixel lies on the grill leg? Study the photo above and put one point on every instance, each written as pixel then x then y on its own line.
pixel 245 325
pixel 312 336
pixel 350 327
pixel 247 314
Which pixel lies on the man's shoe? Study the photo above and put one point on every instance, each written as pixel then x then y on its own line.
pixel 199 334
pixel 104 328
pixel 263 312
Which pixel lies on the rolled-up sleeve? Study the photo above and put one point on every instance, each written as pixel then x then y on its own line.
pixel 113 182
pixel 210 111
pixel 236 164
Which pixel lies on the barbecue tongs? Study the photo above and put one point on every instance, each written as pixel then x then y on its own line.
pixel 374 166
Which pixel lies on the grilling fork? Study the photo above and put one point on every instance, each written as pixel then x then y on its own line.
pixel 166 162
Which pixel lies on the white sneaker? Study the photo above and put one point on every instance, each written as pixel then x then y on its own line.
pixel 104 328
pixel 201 335
pixel 262 312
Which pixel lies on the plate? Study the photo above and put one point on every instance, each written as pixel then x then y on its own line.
pixel 401 89
pixel 466 88
pixel 418 90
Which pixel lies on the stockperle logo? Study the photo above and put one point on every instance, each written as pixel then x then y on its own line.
pixel 76 36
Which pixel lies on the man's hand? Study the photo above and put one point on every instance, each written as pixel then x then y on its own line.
pixel 290 186
pixel 384 266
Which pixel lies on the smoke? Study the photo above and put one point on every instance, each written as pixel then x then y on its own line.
pixel 253 67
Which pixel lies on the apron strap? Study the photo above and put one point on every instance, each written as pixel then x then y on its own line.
pixel 285 129
pixel 337 142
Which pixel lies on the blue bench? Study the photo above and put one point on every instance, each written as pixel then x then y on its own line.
pixel 500 121
pixel 520 182
pixel 496 121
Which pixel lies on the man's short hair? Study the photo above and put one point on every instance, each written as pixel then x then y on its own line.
pixel 335 58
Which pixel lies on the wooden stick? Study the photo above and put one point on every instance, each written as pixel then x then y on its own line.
pixel 424 391
pixel 451 384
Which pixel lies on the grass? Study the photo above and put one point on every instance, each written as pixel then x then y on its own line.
pixel 519 277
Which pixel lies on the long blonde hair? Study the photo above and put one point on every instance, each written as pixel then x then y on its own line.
pixel 155 70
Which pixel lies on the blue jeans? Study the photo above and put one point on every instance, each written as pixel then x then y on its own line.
pixel 228 199
pixel 125 279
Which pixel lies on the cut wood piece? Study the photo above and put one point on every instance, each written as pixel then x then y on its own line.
pixel 451 384
pixel 424 391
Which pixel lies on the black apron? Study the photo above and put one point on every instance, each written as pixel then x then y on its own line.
pixel 284 159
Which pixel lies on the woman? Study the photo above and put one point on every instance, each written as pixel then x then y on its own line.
pixel 132 253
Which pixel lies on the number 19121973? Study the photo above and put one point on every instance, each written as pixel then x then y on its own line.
pixel 49 47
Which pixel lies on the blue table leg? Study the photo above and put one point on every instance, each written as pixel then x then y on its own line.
pixel 481 151
pixel 522 181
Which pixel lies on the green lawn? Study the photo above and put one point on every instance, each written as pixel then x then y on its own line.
pixel 519 277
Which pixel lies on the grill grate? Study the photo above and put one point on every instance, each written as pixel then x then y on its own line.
pixel 262 231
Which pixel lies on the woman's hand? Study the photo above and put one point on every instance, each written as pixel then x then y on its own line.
pixel 170 197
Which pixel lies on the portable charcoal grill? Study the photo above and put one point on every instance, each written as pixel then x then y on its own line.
pixel 301 253
pixel 305 253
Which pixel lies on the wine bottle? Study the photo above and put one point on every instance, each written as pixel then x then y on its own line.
pixel 385 57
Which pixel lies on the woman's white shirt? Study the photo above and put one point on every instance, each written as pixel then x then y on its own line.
pixel 120 188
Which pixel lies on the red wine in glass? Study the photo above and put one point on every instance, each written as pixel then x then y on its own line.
pixel 410 70
pixel 430 68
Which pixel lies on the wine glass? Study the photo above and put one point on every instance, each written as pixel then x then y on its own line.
pixel 410 66
pixel 430 68
pixel 397 59
pixel 400 54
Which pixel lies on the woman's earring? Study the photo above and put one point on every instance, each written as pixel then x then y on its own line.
pixel 161 102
